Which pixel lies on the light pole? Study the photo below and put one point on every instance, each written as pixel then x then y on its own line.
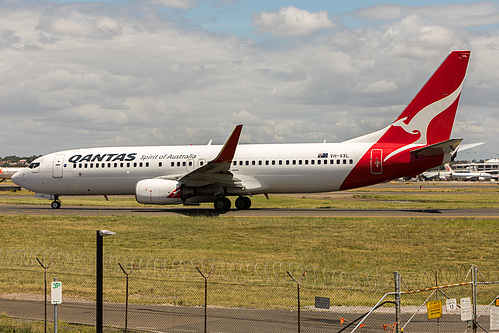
pixel 99 273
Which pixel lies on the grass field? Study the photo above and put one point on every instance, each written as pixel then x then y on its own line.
pixel 414 244
pixel 340 243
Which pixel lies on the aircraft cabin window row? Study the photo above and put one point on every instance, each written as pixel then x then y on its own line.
pixel 191 163
pixel 109 165
pixel 294 162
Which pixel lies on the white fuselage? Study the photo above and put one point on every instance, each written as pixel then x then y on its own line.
pixel 271 168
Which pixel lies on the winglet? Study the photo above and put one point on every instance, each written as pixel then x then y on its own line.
pixel 227 153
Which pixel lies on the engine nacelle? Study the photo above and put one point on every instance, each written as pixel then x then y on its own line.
pixel 158 191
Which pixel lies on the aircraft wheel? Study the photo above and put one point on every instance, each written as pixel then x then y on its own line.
pixel 222 204
pixel 56 204
pixel 243 203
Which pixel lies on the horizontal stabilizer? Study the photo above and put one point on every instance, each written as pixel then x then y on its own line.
pixel 470 145
pixel 439 148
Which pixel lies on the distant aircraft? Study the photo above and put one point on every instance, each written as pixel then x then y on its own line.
pixel 467 175
pixel 436 175
pixel 417 140
pixel 7 173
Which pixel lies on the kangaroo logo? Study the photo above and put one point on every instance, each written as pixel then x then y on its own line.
pixel 418 125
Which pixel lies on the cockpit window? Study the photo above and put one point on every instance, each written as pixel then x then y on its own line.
pixel 34 165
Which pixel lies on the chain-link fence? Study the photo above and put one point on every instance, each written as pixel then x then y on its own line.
pixel 167 295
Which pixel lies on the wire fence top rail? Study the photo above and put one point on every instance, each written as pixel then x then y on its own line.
pixel 270 272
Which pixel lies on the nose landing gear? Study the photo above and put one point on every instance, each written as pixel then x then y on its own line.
pixel 56 204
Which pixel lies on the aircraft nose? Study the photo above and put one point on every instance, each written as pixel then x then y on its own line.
pixel 17 177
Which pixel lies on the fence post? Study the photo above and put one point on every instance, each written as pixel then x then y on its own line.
pixel 397 277
pixel 298 289
pixel 126 297
pixel 205 296
pixel 45 306
pixel 474 274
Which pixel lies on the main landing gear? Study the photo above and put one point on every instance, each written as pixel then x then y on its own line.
pixel 56 204
pixel 223 204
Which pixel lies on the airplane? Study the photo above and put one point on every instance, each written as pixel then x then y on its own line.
pixel 467 175
pixel 6 173
pixel 419 139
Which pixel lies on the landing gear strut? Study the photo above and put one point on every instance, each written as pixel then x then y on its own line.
pixel 56 204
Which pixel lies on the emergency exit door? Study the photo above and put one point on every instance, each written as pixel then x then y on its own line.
pixel 377 161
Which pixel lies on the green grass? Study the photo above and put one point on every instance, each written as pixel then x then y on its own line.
pixel 10 325
pixel 396 195
pixel 340 243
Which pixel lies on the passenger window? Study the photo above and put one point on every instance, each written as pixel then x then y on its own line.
pixel 280 162
pixel 253 162
pixel 160 164
pixel 351 161
pixel 318 162
pixel 273 162
pixel 260 162
pixel 240 162
pixel 338 161
pixel 287 162
pixel 299 162
pixel 247 162
pixel 266 162
pixel 306 162
pixel 344 161
pixel 235 163
pixel 147 164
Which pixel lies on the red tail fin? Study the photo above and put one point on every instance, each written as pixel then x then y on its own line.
pixel 438 99
pixel 429 117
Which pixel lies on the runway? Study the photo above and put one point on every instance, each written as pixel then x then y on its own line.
pixel 8 209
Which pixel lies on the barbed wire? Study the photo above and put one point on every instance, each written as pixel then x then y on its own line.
pixel 270 272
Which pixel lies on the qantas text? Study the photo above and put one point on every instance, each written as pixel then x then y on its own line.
pixel 102 157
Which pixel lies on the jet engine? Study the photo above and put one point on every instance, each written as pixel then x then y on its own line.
pixel 158 191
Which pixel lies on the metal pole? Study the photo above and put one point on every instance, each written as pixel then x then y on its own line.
pixel 126 298
pixel 397 301
pixel 98 282
pixel 55 313
pixel 205 297
pixel 475 280
pixel 99 260
pixel 298 289
pixel 45 305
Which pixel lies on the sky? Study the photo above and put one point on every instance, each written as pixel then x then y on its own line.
pixel 168 72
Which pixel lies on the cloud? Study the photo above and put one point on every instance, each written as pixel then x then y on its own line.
pixel 451 15
pixel 135 75
pixel 291 22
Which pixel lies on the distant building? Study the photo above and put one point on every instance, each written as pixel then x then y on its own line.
pixel 490 166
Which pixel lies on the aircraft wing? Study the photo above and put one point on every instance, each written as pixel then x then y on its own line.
pixel 217 170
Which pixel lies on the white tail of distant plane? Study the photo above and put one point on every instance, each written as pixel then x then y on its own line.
pixel 417 140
